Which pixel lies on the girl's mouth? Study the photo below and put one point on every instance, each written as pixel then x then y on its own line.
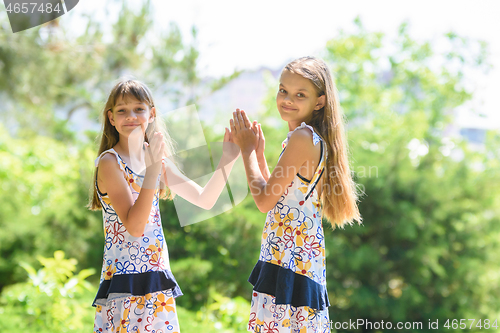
pixel 287 108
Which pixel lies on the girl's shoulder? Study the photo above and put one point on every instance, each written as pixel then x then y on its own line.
pixel 304 134
pixel 109 159
pixel 301 145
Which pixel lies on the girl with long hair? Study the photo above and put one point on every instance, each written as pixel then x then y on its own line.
pixel 311 181
pixel 134 169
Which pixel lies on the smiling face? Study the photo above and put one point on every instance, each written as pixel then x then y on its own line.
pixel 130 114
pixel 297 99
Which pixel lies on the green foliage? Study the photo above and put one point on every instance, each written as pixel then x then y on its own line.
pixel 47 68
pixel 44 191
pixel 225 314
pixel 218 253
pixel 53 300
pixel 428 248
pixel 429 243
pixel 44 162
pixel 222 314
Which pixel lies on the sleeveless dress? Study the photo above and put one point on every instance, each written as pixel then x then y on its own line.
pixel 137 288
pixel 289 280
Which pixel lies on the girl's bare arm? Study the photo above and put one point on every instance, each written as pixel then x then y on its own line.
pixel 261 158
pixel 204 197
pixel 299 150
pixel 133 215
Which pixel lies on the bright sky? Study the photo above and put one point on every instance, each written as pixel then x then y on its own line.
pixel 250 34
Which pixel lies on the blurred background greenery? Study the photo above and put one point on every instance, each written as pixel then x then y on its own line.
pixel 429 247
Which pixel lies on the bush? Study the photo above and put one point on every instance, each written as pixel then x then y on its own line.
pixel 54 299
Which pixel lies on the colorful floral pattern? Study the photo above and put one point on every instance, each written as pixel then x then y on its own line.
pixel 128 255
pixel 268 317
pixel 293 239
pixel 153 313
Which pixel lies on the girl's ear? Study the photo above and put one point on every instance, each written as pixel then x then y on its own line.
pixel 110 117
pixel 320 103
pixel 152 115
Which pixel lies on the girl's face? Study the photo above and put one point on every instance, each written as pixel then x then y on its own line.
pixel 129 115
pixel 297 99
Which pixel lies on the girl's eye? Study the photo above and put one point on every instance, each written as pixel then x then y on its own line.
pixel 140 110
pixel 300 95
pixel 282 91
pixel 120 111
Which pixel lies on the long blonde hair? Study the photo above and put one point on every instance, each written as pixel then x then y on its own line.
pixel 338 208
pixel 129 88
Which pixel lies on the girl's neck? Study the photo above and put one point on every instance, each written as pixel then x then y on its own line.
pixel 131 148
pixel 292 125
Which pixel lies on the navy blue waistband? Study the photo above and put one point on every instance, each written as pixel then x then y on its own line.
pixel 137 285
pixel 288 287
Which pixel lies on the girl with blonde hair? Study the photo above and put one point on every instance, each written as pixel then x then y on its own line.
pixel 311 181
pixel 137 289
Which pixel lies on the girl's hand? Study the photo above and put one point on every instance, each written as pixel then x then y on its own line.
pixel 229 149
pixel 242 132
pixel 262 141
pixel 154 152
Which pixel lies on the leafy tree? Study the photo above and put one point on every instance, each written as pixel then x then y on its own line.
pixel 44 188
pixel 47 75
pixel 54 299
pixel 427 248
pixel 429 243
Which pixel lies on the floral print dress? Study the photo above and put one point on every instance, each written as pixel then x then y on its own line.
pixel 137 289
pixel 289 280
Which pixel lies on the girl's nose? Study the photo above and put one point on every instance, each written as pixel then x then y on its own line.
pixel 131 114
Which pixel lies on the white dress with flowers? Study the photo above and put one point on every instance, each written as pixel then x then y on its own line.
pixel 289 280
pixel 137 289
